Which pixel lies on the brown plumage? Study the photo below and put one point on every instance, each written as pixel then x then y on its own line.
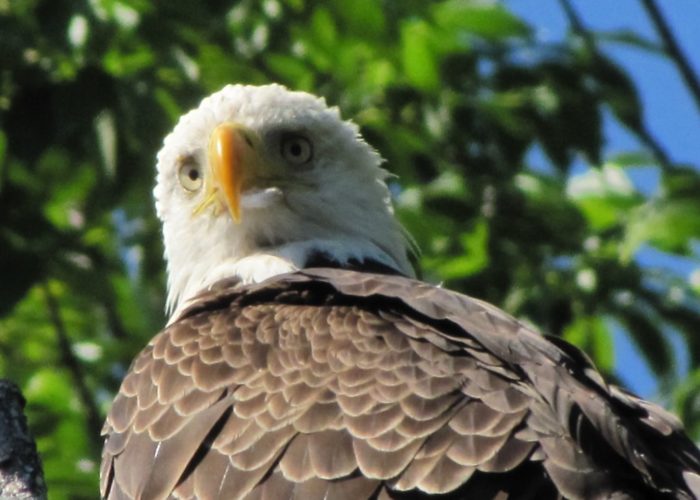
pixel 314 367
pixel 330 383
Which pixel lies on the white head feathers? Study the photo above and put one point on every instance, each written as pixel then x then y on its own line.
pixel 333 202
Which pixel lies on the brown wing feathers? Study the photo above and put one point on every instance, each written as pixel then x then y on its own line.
pixel 338 384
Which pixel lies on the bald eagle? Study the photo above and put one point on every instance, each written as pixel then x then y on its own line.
pixel 303 360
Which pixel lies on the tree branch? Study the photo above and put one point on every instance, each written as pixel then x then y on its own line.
pixel 673 49
pixel 94 421
pixel 21 475
pixel 641 131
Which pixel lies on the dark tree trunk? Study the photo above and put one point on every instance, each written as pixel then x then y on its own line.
pixel 21 475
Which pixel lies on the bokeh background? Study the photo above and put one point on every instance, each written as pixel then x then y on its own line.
pixel 546 152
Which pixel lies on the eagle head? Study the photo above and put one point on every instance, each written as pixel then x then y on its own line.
pixel 258 179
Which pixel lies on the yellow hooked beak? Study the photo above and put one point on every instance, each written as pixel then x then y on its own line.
pixel 230 156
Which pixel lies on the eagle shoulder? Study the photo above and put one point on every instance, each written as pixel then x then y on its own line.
pixel 330 383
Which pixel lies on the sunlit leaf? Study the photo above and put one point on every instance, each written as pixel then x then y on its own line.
pixel 323 27
pixel 485 19
pixel 604 195
pixel 417 56
pixel 78 31
pixel 50 389
pixel 669 225
pixel 632 159
pixel 448 184
pixel 106 132
pixel 694 280
pixel 122 63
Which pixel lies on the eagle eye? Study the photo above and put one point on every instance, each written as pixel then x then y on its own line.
pixel 189 173
pixel 296 149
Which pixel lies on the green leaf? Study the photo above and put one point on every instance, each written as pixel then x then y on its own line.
pixel 484 19
pixel 631 38
pixel 417 56
pixel 505 107
pixel 619 91
pixel 168 103
pixel 121 63
pixel 475 258
pixel 51 389
pixel 592 335
pixel 686 402
pixel 603 195
pixel 694 280
pixel 63 206
pixel 288 68
pixel 323 28
pixel 362 17
pixel 379 73
pixel 667 224
pixel 681 183
pixel 448 184
pixel 633 159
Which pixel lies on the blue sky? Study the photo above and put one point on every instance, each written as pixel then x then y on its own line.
pixel 670 112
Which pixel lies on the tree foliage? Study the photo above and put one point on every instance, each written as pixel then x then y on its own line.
pixel 481 121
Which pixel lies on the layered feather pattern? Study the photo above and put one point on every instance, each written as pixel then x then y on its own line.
pixel 337 384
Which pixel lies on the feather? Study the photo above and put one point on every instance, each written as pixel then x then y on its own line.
pixel 275 379
pixel 427 420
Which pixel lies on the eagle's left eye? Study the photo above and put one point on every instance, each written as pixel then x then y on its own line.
pixel 189 173
pixel 296 149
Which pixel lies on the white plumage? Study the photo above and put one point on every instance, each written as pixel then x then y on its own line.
pixel 337 202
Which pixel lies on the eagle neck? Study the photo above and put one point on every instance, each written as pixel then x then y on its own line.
pixel 264 263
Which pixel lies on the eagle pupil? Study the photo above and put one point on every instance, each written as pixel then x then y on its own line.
pixel 295 149
pixel 193 174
